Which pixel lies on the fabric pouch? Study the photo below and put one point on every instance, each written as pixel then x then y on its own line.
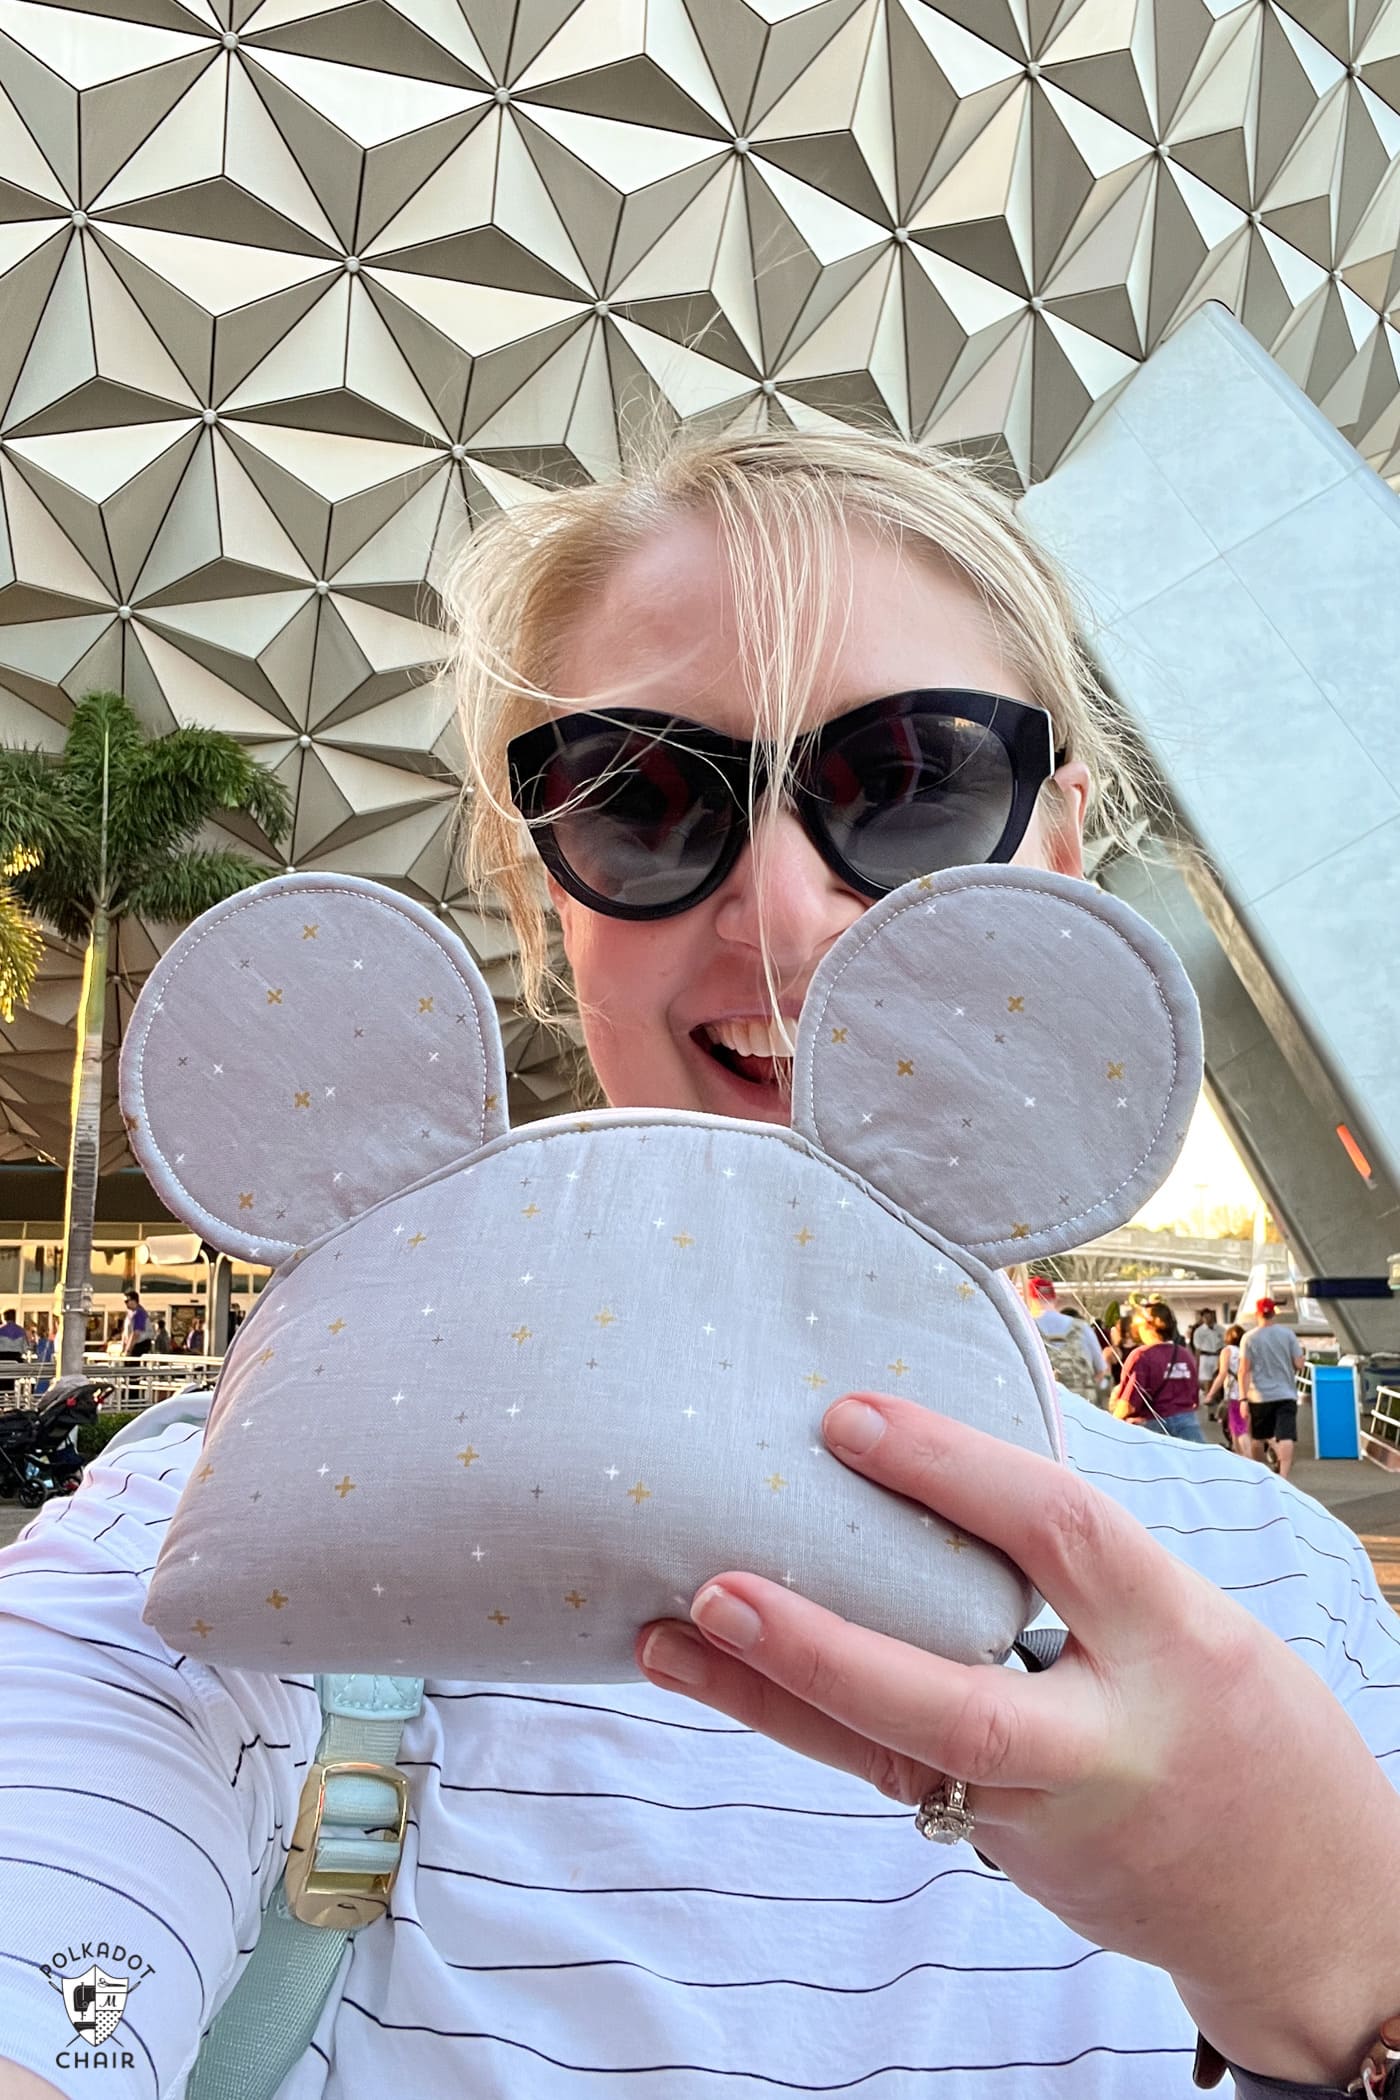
pixel 512 1394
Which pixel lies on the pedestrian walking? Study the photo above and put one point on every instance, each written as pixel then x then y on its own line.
pixel 1226 1383
pixel 1206 1340
pixel 1070 1343
pixel 1119 1343
pixel 1271 1357
pixel 136 1328
pixel 43 1357
pixel 1159 1386
pixel 14 1348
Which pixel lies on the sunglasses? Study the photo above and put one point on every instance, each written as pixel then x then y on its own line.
pixel 642 816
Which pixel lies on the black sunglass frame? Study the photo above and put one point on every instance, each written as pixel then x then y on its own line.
pixel 1025 732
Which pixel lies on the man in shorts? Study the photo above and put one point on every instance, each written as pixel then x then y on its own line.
pixel 1270 1360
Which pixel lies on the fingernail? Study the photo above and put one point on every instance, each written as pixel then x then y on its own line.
pixel 728 1618
pixel 674 1651
pixel 854 1427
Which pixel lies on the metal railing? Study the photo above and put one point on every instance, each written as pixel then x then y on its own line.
pixel 135 1386
pixel 1384 1427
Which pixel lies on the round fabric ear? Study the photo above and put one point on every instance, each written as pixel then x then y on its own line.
pixel 1009 1055
pixel 312 1045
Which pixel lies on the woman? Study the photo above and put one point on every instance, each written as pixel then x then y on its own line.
pixel 1159 1386
pixel 1227 1384
pixel 658 1888
pixel 1121 1342
pixel 43 1356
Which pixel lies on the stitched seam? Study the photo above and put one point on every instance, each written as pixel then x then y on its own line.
pixel 381 903
pixel 368 1705
pixel 1100 924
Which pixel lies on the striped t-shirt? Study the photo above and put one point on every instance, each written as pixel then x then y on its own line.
pixel 609 1893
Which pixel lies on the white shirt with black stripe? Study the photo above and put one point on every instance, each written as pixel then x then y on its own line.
pixel 609 1893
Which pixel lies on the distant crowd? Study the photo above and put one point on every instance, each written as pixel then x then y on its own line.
pixel 1142 1369
pixel 24 1344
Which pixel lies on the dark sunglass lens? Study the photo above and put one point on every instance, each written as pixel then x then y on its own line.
pixel 915 793
pixel 641 820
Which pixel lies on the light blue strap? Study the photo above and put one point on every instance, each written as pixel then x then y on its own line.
pixel 266 2023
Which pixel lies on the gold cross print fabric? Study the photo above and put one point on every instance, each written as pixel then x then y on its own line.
pixel 511 1394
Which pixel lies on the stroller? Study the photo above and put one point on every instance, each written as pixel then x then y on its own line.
pixel 36 1458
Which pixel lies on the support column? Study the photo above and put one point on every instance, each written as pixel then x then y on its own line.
pixel 220 1303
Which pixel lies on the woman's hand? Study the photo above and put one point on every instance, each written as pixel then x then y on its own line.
pixel 1096 1785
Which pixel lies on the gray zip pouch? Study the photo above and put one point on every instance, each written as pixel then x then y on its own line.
pixel 512 1394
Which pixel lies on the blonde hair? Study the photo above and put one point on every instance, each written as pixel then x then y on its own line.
pixel 783 503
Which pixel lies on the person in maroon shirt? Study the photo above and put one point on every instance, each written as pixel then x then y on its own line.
pixel 1159 1384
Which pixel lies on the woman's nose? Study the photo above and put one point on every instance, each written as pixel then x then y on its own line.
pixel 783 898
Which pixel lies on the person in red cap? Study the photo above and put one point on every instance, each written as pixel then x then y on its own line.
pixel 1270 1360
pixel 1071 1345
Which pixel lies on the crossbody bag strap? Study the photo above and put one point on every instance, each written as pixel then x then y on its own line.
pixel 344 1854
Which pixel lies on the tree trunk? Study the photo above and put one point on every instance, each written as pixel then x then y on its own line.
pixel 80 1202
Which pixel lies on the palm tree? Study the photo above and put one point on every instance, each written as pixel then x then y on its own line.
pixel 103 829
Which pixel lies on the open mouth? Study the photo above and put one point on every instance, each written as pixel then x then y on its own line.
pixel 752 1049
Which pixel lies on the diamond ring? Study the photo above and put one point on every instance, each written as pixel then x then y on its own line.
pixel 943 1815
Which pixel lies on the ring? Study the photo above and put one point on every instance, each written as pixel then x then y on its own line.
pixel 943 1815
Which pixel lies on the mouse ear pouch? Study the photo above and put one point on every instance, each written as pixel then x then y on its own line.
pixel 504 1420
pixel 531 1402
pixel 302 1051
pixel 1010 1055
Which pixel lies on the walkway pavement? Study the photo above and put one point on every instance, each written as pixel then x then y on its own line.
pixel 1366 1498
pixel 1362 1495
pixel 12 1518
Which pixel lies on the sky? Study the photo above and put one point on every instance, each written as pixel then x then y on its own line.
pixel 1209 1173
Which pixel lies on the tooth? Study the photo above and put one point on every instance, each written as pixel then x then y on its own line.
pixel 751 1036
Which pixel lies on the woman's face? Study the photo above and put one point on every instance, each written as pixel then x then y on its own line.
pixel 664 626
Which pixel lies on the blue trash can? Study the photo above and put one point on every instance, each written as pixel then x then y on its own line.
pixel 1336 1411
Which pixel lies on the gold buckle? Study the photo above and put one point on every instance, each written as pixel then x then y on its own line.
pixel 319 1895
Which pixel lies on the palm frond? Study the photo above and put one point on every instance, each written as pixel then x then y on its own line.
pixel 21 951
pixel 46 896
pixel 103 728
pixel 173 785
pixel 187 884
pixel 48 847
pixel 35 815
